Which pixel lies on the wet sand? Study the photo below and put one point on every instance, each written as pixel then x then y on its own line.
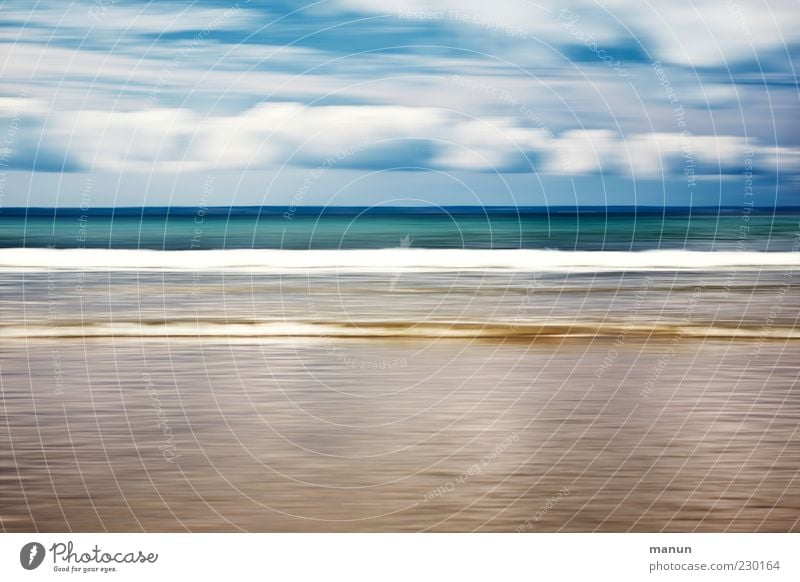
pixel 668 433
pixel 276 437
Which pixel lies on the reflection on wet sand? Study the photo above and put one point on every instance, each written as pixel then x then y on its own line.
pixel 279 436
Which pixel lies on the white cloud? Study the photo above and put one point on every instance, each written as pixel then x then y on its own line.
pixel 660 155
pixel 690 32
pixel 274 135
pixel 510 18
pixel 711 32
pixel 85 17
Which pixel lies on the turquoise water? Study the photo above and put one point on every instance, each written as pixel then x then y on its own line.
pixel 226 228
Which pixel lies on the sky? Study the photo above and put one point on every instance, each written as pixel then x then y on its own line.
pixel 402 102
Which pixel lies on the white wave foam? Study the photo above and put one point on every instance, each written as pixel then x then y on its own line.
pixel 387 260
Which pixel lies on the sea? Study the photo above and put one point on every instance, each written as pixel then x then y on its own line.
pixel 399 369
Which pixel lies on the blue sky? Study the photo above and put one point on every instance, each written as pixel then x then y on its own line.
pixel 107 103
